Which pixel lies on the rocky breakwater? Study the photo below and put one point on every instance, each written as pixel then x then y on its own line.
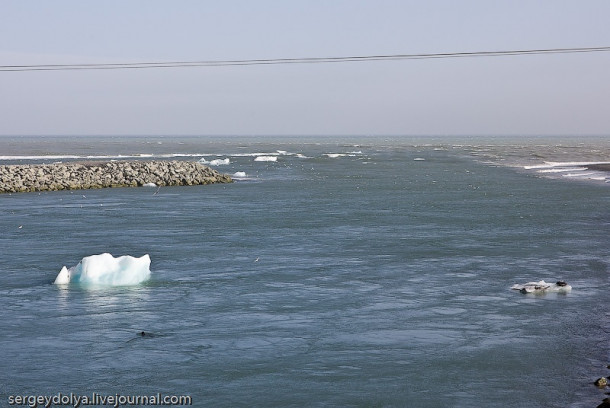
pixel 87 175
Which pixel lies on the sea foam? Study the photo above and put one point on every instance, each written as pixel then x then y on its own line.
pixel 106 270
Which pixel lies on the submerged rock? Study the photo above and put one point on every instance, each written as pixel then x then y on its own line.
pixel 605 403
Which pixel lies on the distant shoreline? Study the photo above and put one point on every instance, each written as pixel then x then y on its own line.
pixel 85 175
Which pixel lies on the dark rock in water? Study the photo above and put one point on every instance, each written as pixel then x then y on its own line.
pixel 601 382
pixel 605 403
pixel 87 175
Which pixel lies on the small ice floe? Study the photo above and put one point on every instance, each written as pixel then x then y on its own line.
pixel 216 162
pixel 239 174
pixel 149 185
pixel 266 159
pixel 543 287
pixel 106 270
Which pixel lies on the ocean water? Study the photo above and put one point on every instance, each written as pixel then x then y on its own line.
pixel 347 272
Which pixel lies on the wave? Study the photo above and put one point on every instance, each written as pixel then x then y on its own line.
pixel 572 170
pixel 551 165
pixel 98 157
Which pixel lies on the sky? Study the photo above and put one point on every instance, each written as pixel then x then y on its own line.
pixel 559 94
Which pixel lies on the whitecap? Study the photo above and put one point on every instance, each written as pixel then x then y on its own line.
pixel 561 170
pixel 583 174
pixel 553 165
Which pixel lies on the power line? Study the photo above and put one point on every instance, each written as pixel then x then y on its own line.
pixel 278 61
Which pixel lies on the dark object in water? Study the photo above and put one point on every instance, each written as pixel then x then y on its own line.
pixel 542 287
pixel 144 334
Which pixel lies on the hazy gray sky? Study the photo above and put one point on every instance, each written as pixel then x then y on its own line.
pixel 540 94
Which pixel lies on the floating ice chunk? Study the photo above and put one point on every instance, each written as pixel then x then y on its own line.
pixel 240 174
pixel 266 159
pixel 216 162
pixel 106 270
pixel 149 185
pixel 542 287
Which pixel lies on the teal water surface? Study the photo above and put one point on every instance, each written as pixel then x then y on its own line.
pixel 364 273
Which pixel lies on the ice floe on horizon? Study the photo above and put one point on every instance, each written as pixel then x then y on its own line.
pixel 106 270
pixel 215 162
pixel 266 159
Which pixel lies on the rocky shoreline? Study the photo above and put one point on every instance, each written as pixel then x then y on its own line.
pixel 88 175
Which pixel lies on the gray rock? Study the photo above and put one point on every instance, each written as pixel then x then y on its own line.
pixel 45 177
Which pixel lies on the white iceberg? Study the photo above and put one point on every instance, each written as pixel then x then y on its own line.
pixel 543 287
pixel 106 270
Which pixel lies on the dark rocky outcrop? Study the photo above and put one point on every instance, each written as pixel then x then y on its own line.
pixel 87 175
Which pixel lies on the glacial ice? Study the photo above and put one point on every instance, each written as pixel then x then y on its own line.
pixel 106 270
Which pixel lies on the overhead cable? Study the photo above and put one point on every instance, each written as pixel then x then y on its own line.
pixel 306 60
